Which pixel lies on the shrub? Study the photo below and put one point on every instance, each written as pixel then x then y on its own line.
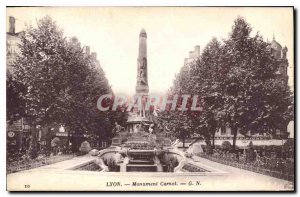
pixel 208 149
pixel 226 145
pixel 85 147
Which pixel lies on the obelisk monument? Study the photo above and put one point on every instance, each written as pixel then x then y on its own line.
pixel 142 75
pixel 140 116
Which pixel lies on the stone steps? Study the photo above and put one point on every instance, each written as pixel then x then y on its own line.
pixel 141 162
pixel 141 168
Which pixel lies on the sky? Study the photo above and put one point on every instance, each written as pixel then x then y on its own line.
pixel 113 33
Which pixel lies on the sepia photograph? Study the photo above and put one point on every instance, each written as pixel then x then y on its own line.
pixel 150 99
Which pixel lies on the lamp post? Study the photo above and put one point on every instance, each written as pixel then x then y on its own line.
pixel 281 132
pixel 245 142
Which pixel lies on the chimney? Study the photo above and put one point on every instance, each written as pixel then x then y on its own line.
pixel 186 61
pixel 197 51
pixel 74 39
pixel 191 54
pixel 87 50
pixel 94 55
pixel 12 27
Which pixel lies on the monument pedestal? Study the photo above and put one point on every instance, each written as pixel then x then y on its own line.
pixel 123 166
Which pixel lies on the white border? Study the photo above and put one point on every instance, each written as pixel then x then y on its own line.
pixel 5 3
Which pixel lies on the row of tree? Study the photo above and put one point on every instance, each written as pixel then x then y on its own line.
pixel 238 86
pixel 53 80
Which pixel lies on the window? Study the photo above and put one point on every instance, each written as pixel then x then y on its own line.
pixel 223 130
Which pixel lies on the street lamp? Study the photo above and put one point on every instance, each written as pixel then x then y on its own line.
pixel 245 142
pixel 281 133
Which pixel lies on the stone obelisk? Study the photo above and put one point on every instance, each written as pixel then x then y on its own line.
pixel 142 75
pixel 139 116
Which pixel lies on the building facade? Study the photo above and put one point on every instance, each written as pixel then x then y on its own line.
pixel 17 131
pixel 193 55
pixel 12 41
pixel 280 54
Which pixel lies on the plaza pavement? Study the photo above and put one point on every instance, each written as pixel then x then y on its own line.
pixel 61 177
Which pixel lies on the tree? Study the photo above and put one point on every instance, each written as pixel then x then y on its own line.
pixel 62 82
pixel 15 104
pixel 205 79
pixel 199 78
pixel 38 67
pixel 250 84
pixel 178 122
pixel 238 85
pixel 33 149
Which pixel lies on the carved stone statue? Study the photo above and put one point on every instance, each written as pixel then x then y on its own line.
pixel 142 79
pixel 143 64
pixel 142 76
pixel 118 128
pixel 151 128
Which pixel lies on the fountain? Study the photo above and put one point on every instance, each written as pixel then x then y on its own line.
pixel 138 151
pixel 141 154
pixel 138 147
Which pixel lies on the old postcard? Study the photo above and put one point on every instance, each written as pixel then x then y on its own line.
pixel 150 99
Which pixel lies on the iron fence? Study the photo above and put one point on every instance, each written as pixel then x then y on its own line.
pixel 30 164
pixel 268 172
